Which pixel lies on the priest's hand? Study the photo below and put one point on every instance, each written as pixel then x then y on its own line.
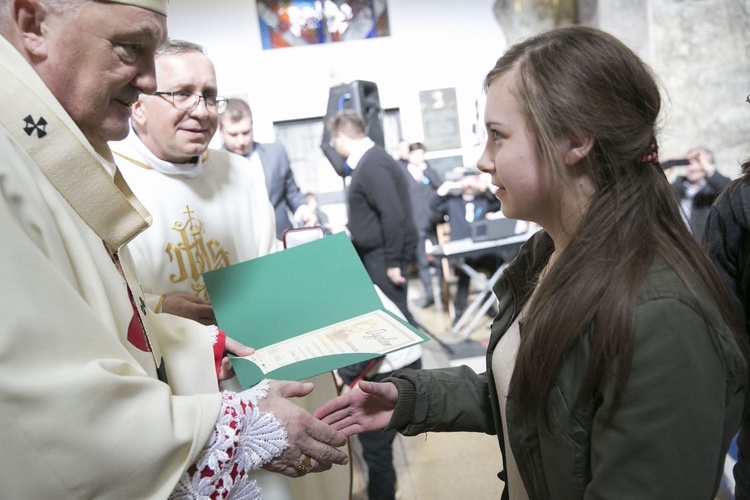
pixel 313 445
pixel 188 306
pixel 231 346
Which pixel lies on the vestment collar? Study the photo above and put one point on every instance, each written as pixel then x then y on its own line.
pixel 152 162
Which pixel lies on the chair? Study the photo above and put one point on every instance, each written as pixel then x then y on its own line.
pixel 449 276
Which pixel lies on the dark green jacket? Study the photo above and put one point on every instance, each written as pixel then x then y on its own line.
pixel 680 408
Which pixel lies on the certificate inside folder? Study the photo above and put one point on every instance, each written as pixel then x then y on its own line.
pixel 306 310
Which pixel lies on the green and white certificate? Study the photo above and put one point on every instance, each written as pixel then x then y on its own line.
pixel 306 310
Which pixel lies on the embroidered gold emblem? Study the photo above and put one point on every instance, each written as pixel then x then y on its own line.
pixel 193 254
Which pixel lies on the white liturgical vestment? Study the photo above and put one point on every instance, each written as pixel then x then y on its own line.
pixel 206 216
pixel 70 375
pixel 99 397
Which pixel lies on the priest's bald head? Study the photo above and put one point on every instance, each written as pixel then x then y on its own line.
pixel 96 57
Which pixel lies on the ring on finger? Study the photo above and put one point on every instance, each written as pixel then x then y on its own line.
pixel 305 465
pixel 349 411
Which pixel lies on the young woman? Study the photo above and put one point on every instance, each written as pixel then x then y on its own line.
pixel 613 369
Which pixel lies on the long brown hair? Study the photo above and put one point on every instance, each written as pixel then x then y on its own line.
pixel 583 81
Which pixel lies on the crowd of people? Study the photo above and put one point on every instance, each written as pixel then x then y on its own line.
pixel 617 363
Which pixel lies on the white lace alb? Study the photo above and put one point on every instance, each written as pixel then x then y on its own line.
pixel 244 440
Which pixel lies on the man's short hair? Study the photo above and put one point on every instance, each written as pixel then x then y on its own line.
pixel 416 146
pixel 237 110
pixel 172 47
pixel 347 121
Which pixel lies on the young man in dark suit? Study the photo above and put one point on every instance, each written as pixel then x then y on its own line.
pixel 380 217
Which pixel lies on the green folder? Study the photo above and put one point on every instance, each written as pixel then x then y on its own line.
pixel 289 293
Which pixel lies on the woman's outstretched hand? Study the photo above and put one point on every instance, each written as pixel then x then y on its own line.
pixel 368 407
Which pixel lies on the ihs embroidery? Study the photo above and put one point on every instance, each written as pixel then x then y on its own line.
pixel 193 254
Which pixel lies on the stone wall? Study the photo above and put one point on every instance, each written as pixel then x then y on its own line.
pixel 700 52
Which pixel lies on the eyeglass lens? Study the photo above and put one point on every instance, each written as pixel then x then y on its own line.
pixel 188 101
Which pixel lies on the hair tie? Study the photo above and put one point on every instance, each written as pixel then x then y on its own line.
pixel 652 156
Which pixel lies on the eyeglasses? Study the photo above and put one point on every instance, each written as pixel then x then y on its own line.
pixel 187 101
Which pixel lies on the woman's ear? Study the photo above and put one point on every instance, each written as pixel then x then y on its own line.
pixel 29 17
pixel 579 147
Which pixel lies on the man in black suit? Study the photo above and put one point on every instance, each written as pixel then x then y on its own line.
pixel 236 128
pixel 383 233
pixel 423 181
pixel 380 218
